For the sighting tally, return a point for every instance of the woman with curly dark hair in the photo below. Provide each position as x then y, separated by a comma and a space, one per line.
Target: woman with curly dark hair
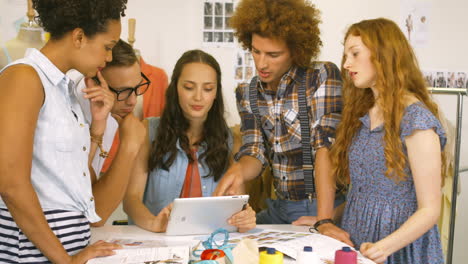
289, 114
47, 201
188, 149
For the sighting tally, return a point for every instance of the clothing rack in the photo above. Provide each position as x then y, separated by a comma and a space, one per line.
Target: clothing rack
459, 92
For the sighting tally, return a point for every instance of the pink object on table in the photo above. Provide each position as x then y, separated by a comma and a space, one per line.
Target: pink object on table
345, 256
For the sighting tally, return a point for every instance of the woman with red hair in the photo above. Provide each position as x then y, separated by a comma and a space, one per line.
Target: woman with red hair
389, 148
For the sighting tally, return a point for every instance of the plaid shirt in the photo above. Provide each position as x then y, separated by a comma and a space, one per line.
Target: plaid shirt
279, 113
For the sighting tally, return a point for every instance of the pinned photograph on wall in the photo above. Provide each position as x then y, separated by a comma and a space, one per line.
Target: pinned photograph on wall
240, 59
429, 77
248, 73
208, 36
229, 8
226, 22
415, 20
461, 80
441, 80
451, 80
208, 22
239, 76
218, 22
208, 9
228, 37
218, 9
249, 59
218, 37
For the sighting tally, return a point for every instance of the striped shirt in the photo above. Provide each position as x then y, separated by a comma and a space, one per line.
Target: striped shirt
71, 228
279, 111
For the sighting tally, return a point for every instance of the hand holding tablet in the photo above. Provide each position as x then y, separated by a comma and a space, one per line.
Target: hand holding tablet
196, 216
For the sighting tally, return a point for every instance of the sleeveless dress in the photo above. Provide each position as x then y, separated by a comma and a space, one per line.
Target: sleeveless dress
376, 205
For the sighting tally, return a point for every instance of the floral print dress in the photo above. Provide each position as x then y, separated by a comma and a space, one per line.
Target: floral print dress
376, 205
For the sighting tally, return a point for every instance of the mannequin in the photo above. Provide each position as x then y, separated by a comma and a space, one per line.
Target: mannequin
138, 110
29, 36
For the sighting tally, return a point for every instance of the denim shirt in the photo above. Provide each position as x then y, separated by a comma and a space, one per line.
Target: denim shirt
163, 186
59, 172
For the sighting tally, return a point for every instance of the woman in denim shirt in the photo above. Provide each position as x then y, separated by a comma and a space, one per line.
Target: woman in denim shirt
189, 147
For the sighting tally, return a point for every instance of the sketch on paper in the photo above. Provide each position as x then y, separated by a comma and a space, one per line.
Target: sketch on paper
415, 20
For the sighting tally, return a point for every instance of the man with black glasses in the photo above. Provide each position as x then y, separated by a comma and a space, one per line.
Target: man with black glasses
126, 81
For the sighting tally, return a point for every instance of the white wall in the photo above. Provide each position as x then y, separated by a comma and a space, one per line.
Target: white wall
165, 29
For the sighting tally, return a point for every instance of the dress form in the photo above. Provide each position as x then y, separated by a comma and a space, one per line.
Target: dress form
138, 110
29, 36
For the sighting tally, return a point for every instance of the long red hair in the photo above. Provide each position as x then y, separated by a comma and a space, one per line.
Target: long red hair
398, 75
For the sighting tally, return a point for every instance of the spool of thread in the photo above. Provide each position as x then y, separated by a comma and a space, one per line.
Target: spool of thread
271, 256
345, 256
214, 254
307, 256
46, 36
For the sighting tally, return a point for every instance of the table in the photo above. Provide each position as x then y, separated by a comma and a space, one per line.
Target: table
131, 231
108, 231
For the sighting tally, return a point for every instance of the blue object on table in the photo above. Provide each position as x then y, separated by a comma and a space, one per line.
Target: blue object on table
210, 243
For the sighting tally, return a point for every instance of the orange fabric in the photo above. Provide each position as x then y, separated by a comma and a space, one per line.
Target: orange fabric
153, 102
192, 182
154, 98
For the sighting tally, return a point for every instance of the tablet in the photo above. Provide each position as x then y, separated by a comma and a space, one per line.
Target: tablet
199, 216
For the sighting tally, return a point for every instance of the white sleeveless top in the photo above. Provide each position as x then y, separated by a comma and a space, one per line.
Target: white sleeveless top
59, 173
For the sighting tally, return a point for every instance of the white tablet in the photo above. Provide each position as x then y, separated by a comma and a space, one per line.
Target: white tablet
199, 216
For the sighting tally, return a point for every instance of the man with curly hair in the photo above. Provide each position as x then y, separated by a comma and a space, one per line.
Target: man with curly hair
289, 113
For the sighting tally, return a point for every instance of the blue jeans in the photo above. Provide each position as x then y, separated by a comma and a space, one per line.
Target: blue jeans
286, 211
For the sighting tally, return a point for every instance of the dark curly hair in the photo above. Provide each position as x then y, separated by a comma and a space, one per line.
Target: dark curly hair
61, 16
294, 21
173, 125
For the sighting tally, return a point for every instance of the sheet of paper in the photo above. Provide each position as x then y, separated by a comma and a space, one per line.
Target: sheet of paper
147, 252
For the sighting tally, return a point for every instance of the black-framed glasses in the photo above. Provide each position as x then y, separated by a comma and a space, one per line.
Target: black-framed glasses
140, 89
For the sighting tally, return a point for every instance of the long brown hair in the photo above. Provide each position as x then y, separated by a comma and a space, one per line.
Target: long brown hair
398, 75
173, 125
